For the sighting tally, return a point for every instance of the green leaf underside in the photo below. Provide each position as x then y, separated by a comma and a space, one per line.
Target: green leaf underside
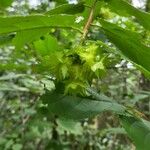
47, 46
23, 23
28, 36
67, 9
129, 44
125, 9
77, 108
138, 131
24, 37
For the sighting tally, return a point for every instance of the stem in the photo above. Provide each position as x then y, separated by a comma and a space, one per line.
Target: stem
89, 21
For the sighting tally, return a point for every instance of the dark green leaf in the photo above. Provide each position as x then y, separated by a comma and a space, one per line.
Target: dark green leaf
46, 46
21, 23
67, 9
138, 131
72, 107
129, 44
24, 37
123, 8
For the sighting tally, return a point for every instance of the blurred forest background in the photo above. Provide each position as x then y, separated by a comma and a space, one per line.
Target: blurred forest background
22, 126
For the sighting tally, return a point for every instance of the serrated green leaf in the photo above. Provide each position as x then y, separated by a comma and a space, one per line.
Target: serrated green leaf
25, 37
46, 46
67, 9
77, 108
138, 131
123, 8
24, 23
129, 44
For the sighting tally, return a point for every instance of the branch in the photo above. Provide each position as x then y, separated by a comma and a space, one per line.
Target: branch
89, 21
